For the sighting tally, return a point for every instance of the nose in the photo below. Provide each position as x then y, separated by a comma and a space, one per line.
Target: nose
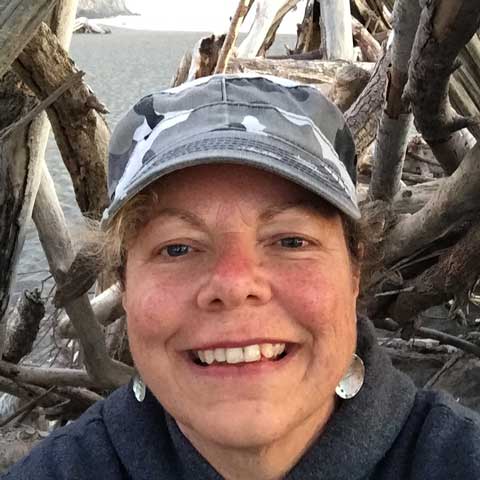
236, 278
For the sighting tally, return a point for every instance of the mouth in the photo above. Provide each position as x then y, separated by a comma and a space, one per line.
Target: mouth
238, 356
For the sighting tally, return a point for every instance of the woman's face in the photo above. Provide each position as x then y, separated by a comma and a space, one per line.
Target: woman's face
237, 260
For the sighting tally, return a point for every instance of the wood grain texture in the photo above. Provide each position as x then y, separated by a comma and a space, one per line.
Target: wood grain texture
19, 20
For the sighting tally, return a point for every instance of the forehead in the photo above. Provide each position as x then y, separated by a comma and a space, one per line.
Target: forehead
206, 185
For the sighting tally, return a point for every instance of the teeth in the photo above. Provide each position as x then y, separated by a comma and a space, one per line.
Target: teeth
220, 355
234, 355
267, 350
250, 353
209, 356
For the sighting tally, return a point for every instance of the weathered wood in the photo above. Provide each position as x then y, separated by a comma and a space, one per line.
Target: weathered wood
55, 239
22, 157
81, 132
46, 377
22, 326
369, 46
465, 83
312, 72
107, 307
308, 32
445, 27
336, 28
453, 276
84, 25
229, 43
205, 56
19, 19
349, 82
19, 179
363, 116
412, 199
396, 119
268, 14
458, 198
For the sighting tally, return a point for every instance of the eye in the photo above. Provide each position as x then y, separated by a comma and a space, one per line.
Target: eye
293, 242
175, 250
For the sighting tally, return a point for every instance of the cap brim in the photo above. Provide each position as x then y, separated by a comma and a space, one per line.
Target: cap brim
312, 172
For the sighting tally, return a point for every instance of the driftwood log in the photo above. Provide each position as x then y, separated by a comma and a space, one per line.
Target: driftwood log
445, 27
19, 19
80, 130
396, 121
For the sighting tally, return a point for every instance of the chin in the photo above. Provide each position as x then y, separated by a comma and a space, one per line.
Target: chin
252, 426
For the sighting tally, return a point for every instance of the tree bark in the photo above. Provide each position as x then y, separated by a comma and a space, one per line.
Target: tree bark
81, 132
453, 276
308, 32
231, 38
21, 157
445, 27
19, 19
19, 179
55, 240
396, 120
369, 46
268, 13
336, 28
458, 199
312, 72
363, 116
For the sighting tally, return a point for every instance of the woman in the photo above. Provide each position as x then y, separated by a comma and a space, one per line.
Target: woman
232, 226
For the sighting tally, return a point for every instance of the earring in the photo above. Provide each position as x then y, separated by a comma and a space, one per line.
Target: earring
352, 381
139, 389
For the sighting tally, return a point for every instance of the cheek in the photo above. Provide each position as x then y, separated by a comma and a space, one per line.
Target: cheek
152, 308
317, 296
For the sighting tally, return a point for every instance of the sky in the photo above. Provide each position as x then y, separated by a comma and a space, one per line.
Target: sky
200, 15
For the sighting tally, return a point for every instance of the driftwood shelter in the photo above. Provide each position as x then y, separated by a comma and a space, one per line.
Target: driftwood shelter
407, 76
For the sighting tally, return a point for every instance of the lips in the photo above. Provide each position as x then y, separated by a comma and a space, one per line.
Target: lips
235, 355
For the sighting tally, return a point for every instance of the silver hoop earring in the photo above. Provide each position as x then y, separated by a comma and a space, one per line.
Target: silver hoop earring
352, 381
139, 389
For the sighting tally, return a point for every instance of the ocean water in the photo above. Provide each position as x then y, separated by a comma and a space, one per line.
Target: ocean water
120, 68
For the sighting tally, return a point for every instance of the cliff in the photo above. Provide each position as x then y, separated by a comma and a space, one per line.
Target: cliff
102, 8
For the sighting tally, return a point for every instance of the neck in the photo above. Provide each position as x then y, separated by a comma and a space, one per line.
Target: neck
265, 462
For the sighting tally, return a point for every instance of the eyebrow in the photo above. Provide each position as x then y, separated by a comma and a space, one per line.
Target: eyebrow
267, 215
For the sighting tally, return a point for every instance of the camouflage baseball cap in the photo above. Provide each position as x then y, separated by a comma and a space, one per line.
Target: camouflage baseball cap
267, 122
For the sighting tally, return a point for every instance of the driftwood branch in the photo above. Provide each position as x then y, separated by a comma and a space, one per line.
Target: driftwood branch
21, 155
81, 132
19, 178
204, 57
396, 120
56, 242
43, 105
445, 27
26, 408
336, 28
267, 14
312, 72
443, 338
229, 43
107, 307
19, 19
453, 276
458, 198
46, 377
363, 116
22, 326
369, 46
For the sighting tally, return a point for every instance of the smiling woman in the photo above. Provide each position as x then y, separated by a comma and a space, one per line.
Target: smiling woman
232, 227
